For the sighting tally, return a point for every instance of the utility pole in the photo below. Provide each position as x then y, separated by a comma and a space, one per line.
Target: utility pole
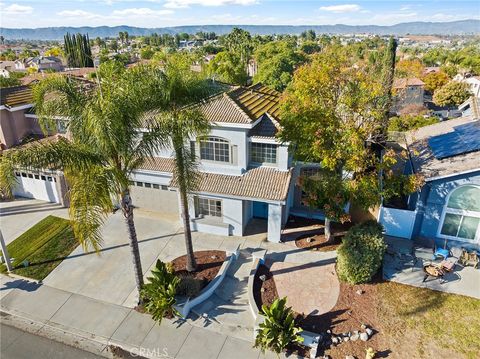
6, 257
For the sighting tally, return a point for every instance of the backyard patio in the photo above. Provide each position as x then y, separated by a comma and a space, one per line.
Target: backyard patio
404, 263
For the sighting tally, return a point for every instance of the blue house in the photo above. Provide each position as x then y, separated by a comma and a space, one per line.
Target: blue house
447, 208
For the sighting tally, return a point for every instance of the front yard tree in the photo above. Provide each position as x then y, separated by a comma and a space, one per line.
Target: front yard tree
334, 113
180, 122
453, 93
104, 149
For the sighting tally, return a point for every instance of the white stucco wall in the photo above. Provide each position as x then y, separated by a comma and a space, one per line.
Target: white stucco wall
274, 222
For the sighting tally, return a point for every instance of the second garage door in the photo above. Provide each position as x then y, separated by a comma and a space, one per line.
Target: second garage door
154, 197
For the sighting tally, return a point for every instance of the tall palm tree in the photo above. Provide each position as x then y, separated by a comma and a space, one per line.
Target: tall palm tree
104, 148
181, 121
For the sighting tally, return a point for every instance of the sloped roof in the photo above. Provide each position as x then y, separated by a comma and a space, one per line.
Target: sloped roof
160, 164
16, 96
256, 100
259, 183
402, 83
221, 108
423, 159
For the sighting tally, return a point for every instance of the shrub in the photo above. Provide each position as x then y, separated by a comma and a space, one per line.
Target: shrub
361, 252
159, 293
189, 286
278, 330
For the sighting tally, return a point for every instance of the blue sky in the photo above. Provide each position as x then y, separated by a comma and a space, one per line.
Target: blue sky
160, 13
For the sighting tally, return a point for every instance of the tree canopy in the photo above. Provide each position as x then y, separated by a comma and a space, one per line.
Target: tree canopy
453, 93
229, 67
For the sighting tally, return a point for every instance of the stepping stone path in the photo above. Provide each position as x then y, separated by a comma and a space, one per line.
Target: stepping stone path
309, 288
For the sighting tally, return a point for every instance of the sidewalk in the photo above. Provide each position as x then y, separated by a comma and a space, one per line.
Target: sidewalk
94, 325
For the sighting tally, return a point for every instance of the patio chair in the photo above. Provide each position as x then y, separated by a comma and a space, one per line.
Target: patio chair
441, 252
469, 258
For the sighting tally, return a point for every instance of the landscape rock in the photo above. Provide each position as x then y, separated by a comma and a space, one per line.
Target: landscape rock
360, 292
263, 277
363, 337
335, 340
354, 337
329, 331
363, 326
262, 290
309, 240
369, 332
346, 339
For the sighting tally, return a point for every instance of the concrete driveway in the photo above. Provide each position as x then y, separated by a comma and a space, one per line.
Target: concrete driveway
19, 215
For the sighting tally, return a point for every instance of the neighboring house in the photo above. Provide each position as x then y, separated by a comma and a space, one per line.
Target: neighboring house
470, 108
447, 208
40, 63
409, 92
6, 68
245, 172
15, 125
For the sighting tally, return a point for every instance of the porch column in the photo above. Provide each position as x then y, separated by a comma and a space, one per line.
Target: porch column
274, 222
62, 189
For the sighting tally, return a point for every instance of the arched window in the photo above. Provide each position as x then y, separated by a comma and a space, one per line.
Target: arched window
461, 215
215, 149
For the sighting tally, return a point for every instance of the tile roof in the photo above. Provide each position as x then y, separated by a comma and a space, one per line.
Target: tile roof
16, 96
257, 100
423, 159
402, 83
160, 164
221, 108
259, 183
242, 105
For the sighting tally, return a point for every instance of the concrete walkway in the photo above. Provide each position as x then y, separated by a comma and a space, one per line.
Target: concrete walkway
227, 310
93, 325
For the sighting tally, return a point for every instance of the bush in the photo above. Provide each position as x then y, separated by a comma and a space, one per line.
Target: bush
278, 330
159, 293
189, 286
361, 253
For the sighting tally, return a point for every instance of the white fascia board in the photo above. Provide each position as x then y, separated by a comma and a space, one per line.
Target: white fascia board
233, 125
272, 140
235, 197
18, 108
150, 172
451, 175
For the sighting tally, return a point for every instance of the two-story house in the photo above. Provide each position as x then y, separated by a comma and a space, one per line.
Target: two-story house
245, 171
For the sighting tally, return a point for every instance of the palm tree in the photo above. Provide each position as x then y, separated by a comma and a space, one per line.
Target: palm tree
104, 149
181, 121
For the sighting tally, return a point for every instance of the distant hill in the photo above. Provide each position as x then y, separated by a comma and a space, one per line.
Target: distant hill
463, 27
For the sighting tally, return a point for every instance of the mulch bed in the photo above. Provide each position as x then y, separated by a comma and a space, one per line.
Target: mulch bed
208, 265
317, 242
351, 311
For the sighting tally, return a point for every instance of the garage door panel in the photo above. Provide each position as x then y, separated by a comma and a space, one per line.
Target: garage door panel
42, 187
157, 200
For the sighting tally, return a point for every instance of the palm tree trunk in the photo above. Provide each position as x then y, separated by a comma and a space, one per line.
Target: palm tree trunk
191, 263
127, 208
328, 231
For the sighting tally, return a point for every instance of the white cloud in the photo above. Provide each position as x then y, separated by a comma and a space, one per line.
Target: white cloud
141, 11
405, 7
177, 4
78, 13
16, 9
341, 8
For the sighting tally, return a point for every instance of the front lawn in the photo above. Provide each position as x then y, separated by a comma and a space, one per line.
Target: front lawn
428, 323
43, 246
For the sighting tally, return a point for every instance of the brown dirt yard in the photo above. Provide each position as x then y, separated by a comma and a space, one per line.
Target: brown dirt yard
408, 322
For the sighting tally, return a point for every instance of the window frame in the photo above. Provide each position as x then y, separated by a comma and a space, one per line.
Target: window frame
215, 141
263, 146
462, 213
211, 203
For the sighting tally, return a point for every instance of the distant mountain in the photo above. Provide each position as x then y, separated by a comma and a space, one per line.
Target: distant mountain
462, 27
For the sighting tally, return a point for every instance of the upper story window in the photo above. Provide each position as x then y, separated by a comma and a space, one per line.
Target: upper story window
263, 152
215, 149
461, 218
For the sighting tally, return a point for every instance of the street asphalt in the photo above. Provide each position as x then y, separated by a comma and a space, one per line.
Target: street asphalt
17, 344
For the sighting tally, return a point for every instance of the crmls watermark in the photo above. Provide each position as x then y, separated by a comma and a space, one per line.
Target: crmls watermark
149, 352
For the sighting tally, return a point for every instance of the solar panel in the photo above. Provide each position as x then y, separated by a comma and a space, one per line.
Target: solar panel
464, 139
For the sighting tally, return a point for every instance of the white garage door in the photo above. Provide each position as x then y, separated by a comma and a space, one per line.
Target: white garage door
154, 197
38, 186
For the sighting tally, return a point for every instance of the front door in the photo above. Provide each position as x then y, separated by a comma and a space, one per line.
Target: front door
260, 210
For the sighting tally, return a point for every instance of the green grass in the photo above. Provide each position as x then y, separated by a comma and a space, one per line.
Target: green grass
44, 246
450, 321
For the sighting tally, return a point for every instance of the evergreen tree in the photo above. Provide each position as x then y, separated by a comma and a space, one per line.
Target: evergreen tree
78, 50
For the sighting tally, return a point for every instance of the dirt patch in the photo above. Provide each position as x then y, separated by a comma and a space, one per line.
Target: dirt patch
351, 311
208, 265
316, 241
